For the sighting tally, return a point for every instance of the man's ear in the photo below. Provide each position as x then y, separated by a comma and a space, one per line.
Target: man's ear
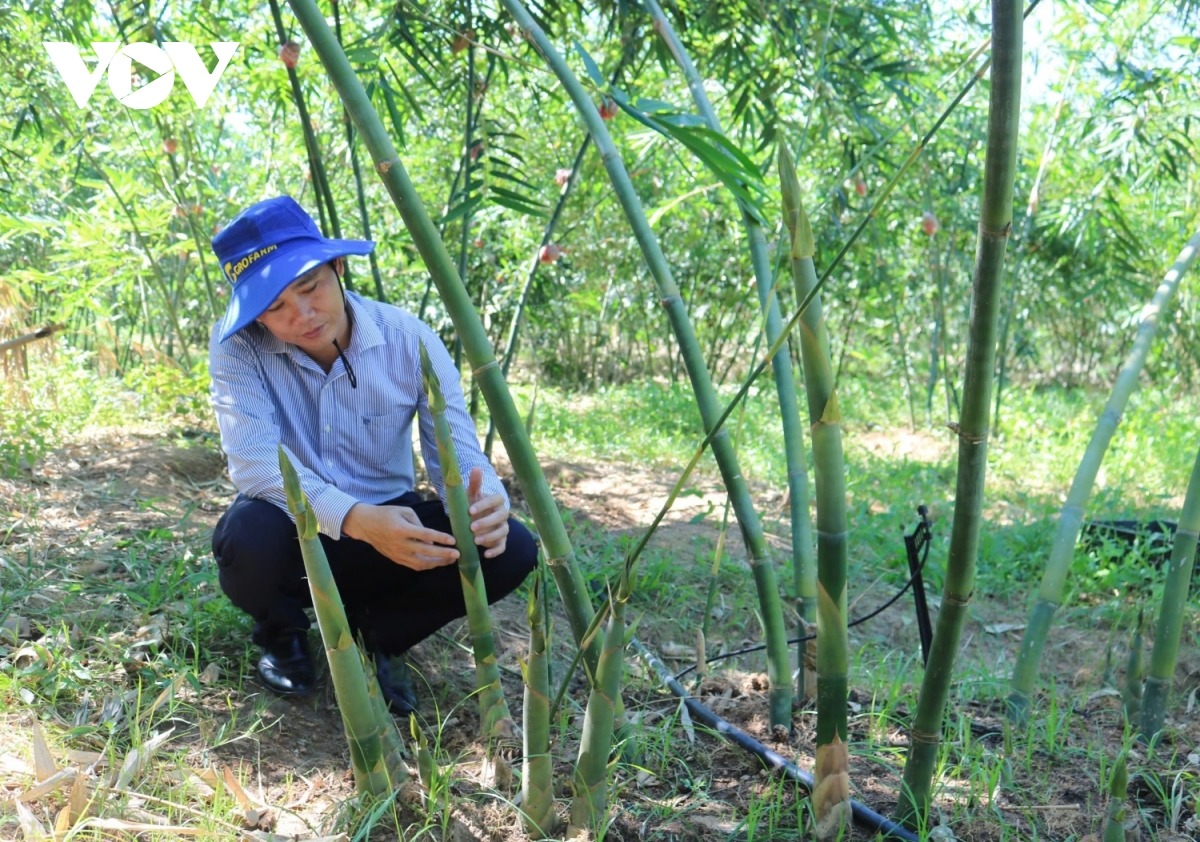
339, 266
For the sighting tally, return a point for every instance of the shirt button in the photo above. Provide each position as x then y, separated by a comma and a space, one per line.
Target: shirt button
328, 428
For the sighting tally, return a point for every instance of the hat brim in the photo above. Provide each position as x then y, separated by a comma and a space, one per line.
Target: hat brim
260, 285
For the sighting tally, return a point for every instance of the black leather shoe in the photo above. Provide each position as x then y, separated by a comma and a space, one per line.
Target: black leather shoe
286, 667
396, 684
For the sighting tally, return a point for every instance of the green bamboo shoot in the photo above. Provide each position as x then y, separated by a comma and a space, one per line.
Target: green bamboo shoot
1070, 519
831, 794
1169, 628
426, 764
1118, 789
995, 226
589, 805
376, 769
1131, 690
537, 773
495, 720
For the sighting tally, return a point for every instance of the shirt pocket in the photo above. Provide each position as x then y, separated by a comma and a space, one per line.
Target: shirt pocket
381, 439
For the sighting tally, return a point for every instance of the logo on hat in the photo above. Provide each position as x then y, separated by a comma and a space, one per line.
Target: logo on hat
232, 270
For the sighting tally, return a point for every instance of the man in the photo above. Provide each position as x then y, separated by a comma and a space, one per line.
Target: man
336, 379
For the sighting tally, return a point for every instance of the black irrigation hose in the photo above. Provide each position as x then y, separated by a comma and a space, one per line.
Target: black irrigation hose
863, 816
759, 647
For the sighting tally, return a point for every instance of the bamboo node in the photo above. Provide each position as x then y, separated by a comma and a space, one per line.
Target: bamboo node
492, 363
954, 427
668, 300
383, 166
925, 737
958, 601
996, 233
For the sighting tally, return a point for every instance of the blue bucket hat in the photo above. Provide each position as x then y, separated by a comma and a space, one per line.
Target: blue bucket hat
265, 248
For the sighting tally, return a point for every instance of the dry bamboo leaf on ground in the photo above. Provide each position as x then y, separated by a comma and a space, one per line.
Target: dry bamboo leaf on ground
86, 760
142, 827
44, 766
29, 655
136, 760
255, 814
54, 782
31, 828
80, 800
685, 722
13, 765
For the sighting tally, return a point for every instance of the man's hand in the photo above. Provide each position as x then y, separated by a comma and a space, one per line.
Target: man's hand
489, 516
398, 534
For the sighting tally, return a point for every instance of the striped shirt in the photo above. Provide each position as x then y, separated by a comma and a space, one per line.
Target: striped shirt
349, 445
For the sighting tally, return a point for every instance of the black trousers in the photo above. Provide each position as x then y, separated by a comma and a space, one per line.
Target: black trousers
393, 607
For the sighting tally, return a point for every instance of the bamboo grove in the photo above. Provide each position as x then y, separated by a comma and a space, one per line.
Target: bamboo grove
796, 262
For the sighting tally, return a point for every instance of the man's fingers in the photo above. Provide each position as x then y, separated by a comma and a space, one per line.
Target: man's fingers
488, 522
497, 549
474, 484
426, 535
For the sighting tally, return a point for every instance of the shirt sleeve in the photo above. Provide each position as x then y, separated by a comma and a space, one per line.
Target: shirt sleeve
250, 437
462, 426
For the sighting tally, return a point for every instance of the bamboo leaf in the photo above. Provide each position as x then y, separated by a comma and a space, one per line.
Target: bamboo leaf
43, 761
593, 69
515, 203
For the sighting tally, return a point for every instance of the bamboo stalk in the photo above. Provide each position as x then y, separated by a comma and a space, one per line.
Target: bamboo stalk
316, 164
995, 226
537, 773
831, 795
25, 339
371, 734
804, 568
1070, 519
544, 510
1031, 209
762, 565
495, 720
1169, 629
359, 190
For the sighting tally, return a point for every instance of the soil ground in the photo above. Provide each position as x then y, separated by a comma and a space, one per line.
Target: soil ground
86, 504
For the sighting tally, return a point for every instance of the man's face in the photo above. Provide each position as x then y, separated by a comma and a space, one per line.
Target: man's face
310, 313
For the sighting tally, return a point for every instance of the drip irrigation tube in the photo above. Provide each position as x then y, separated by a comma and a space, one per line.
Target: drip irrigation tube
864, 817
